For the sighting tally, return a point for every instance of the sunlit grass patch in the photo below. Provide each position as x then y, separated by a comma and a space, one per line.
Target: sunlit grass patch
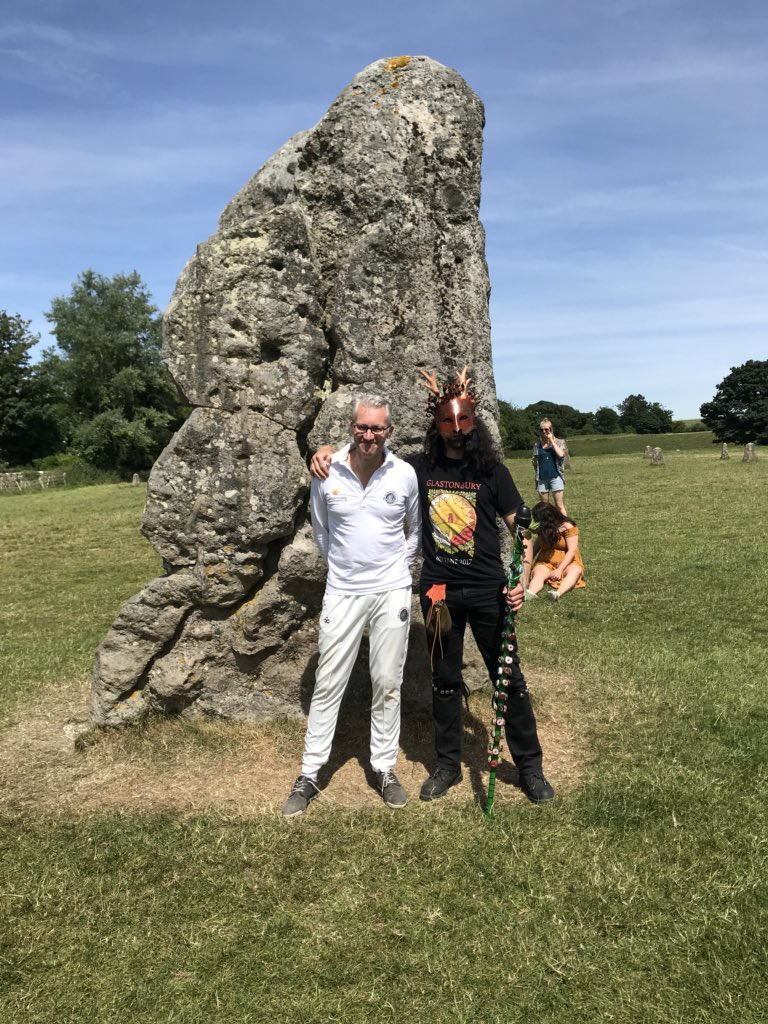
638, 896
68, 559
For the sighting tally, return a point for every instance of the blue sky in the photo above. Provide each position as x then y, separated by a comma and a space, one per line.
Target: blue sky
625, 173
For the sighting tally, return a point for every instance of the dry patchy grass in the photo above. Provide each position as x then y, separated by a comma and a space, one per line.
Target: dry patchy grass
49, 763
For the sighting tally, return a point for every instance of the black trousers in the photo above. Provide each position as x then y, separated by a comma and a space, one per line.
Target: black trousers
483, 609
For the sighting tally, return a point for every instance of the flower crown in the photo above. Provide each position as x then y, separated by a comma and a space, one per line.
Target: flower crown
462, 387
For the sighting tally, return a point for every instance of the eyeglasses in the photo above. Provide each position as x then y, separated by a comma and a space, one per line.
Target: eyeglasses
363, 428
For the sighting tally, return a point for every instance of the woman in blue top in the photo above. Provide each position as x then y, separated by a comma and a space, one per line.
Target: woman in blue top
548, 460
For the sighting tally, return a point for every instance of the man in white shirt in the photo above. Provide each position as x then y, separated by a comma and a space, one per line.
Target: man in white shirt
366, 522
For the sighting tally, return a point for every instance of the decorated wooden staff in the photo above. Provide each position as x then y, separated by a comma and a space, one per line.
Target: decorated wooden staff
523, 519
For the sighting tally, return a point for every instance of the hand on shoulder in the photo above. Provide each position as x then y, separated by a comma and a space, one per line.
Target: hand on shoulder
320, 465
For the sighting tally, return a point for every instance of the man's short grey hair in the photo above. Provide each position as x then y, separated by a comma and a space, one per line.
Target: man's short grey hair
372, 402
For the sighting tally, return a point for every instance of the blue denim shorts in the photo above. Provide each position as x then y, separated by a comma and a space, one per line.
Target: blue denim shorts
555, 484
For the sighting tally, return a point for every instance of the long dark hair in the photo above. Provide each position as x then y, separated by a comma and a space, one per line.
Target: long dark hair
550, 521
480, 452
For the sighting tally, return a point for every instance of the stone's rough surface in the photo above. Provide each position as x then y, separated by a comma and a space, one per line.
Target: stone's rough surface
226, 486
147, 623
243, 327
352, 258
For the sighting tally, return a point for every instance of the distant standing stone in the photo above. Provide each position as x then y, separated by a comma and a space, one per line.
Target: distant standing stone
750, 452
724, 451
647, 452
657, 457
135, 479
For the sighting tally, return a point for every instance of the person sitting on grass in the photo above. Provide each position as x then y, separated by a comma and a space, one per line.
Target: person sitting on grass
556, 558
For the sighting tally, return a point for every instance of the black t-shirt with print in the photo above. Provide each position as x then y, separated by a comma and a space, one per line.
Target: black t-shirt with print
460, 537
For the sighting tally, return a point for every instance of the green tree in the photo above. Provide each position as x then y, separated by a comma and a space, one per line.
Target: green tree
638, 415
607, 420
739, 411
565, 419
27, 428
120, 405
516, 427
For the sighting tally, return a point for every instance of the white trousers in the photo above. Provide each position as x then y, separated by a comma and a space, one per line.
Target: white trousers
343, 619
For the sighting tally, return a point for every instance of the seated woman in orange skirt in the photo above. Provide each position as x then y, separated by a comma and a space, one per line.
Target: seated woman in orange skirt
556, 557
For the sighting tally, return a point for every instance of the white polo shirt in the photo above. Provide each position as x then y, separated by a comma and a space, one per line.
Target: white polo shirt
369, 536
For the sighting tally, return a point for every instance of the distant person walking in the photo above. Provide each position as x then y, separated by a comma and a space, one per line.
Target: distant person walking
549, 463
556, 556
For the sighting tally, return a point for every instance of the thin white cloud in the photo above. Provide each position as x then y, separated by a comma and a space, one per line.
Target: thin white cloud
175, 146
564, 209
55, 36
669, 68
175, 45
660, 320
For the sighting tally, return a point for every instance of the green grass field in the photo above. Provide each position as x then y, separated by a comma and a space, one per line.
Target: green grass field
638, 897
580, 445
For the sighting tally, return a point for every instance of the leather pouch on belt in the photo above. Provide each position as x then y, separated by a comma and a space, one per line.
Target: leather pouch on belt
438, 619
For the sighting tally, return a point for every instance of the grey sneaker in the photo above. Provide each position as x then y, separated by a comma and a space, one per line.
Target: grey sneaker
553, 595
303, 791
391, 791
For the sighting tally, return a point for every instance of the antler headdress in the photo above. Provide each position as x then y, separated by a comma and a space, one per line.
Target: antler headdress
462, 387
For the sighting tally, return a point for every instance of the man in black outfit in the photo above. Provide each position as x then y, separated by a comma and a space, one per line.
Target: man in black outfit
463, 486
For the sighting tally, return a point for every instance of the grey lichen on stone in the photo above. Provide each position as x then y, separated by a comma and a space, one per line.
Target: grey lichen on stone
352, 258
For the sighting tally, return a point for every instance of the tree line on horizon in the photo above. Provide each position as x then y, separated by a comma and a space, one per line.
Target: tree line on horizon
519, 427
102, 397
738, 413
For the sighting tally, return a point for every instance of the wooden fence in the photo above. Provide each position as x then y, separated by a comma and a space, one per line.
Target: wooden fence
32, 480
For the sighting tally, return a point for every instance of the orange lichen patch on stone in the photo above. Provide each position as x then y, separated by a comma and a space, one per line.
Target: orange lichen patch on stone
395, 84
356, 92
217, 569
397, 62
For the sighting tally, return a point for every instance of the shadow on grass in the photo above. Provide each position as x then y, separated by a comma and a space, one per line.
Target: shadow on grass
351, 743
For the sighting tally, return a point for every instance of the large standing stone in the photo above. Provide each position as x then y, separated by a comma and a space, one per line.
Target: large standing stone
750, 452
352, 258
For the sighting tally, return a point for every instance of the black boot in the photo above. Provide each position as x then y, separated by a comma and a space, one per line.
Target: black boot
524, 747
447, 718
